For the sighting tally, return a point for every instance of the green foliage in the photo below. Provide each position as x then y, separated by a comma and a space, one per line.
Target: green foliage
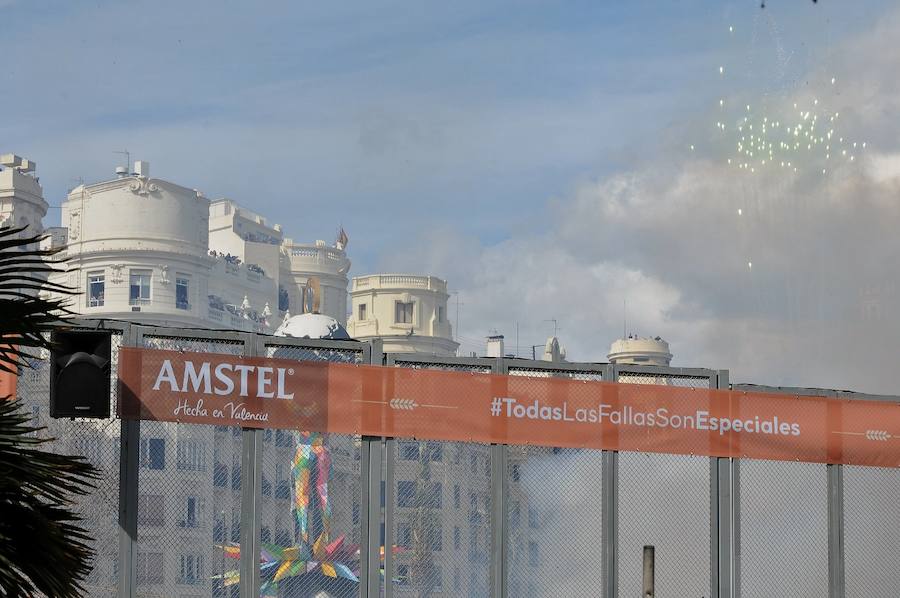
42, 548
24, 314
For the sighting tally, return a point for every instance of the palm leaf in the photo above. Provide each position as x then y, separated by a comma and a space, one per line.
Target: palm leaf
25, 313
43, 550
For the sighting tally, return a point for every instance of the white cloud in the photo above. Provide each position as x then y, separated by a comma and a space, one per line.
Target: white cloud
817, 307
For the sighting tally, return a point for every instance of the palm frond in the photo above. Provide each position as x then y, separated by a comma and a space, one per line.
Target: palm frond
26, 312
43, 550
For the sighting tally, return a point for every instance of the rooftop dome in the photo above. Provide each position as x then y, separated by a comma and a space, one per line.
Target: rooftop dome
313, 326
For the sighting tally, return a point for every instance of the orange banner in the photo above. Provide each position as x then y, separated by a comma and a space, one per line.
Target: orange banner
458, 406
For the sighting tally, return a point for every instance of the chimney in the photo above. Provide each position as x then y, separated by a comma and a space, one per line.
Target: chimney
495, 345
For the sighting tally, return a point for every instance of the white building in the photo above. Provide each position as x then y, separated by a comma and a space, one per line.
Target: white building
21, 197
145, 249
148, 250
408, 312
640, 351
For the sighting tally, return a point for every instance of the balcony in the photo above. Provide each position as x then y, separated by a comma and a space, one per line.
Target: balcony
399, 281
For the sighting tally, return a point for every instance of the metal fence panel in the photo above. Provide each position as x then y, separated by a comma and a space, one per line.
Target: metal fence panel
98, 441
664, 502
311, 497
784, 529
189, 495
553, 516
871, 531
553, 512
442, 505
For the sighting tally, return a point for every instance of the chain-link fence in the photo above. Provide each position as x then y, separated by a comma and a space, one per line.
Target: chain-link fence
664, 501
796, 529
310, 509
784, 529
442, 510
189, 500
97, 440
871, 531
553, 511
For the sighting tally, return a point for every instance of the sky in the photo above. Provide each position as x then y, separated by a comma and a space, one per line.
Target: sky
552, 161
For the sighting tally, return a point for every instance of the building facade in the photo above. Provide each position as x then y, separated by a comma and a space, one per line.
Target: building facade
407, 312
148, 250
634, 350
21, 197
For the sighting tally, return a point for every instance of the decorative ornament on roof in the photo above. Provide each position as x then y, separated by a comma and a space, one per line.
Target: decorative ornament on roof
142, 186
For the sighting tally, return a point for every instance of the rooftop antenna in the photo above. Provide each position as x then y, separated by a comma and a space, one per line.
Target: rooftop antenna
624, 318
127, 158
555, 325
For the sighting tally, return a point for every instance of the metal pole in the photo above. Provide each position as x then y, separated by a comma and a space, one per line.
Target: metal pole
499, 533
390, 452
609, 513
251, 498
836, 583
370, 517
722, 515
648, 585
129, 443
128, 505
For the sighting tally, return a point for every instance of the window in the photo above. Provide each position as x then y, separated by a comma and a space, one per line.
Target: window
149, 568
403, 575
515, 472
96, 289
440, 313
473, 501
406, 493
362, 312
435, 537
456, 496
153, 453
219, 530
139, 287
532, 518
265, 534
409, 450
151, 510
404, 535
437, 577
191, 455
435, 451
220, 475
191, 515
182, 289
533, 556
456, 538
191, 569
403, 312
434, 497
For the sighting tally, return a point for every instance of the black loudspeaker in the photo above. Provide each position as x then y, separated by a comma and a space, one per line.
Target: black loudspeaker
80, 373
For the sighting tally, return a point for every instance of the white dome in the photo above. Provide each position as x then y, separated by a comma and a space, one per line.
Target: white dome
313, 326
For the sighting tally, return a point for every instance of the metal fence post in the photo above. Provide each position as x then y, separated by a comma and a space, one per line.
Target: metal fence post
370, 519
251, 498
390, 486
499, 531
129, 443
836, 587
722, 515
609, 513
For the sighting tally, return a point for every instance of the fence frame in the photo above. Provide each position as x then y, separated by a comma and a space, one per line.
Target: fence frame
377, 466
